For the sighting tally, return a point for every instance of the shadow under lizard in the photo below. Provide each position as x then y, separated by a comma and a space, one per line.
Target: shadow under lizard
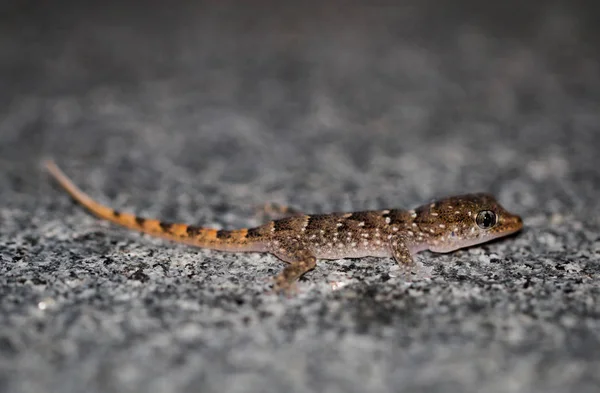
441, 226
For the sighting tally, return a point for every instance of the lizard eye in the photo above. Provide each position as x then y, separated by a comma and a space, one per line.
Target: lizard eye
486, 219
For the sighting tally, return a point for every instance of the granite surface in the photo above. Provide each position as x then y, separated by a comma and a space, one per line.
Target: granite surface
200, 113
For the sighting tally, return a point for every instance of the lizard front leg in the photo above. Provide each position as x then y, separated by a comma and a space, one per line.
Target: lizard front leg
402, 255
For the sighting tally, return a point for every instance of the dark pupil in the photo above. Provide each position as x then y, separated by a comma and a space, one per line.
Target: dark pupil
486, 219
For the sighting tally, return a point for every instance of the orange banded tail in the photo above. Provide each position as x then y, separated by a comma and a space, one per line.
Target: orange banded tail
225, 240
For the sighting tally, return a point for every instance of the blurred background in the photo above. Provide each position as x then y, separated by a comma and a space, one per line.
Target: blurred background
437, 98
200, 111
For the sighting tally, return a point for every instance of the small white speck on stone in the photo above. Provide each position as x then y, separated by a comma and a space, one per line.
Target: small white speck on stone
378, 242
46, 303
322, 231
340, 245
411, 233
365, 235
339, 224
431, 206
395, 229
389, 236
469, 213
457, 212
414, 225
353, 244
361, 224
431, 230
434, 214
473, 230
385, 212
388, 220
442, 226
330, 244
313, 236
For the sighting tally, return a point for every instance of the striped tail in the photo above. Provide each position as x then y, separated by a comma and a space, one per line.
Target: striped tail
224, 240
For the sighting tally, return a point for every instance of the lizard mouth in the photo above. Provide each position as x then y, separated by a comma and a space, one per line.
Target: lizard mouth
512, 224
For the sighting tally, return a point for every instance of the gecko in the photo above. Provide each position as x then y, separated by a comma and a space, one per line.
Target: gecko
441, 226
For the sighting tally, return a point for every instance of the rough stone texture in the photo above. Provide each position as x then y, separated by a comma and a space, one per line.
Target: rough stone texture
200, 113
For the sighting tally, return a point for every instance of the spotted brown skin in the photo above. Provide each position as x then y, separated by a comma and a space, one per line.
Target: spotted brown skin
442, 226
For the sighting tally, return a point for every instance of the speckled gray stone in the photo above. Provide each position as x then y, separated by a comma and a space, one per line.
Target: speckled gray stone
202, 113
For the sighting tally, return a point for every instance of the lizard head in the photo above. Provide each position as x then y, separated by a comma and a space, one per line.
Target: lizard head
465, 220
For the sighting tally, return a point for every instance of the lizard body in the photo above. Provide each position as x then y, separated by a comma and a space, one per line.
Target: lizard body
442, 226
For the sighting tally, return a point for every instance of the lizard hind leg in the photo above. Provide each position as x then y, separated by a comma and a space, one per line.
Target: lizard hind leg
274, 211
301, 260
